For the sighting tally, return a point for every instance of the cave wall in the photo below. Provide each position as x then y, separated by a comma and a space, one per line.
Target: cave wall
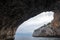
15, 12
56, 21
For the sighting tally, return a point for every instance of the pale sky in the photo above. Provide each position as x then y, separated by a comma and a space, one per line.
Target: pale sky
35, 22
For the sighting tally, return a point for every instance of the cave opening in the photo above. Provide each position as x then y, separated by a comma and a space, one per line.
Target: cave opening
28, 26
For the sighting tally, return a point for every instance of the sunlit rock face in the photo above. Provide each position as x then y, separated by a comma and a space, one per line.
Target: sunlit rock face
15, 12
44, 31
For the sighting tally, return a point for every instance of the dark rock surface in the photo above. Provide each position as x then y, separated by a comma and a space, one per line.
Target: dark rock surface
15, 12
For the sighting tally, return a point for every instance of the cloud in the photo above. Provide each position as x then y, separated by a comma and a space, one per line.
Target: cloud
35, 22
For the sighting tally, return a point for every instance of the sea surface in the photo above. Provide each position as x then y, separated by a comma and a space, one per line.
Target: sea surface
34, 38
29, 37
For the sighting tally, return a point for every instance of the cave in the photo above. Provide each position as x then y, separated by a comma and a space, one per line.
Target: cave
15, 12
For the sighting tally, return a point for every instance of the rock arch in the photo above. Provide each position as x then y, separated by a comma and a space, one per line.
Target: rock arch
15, 12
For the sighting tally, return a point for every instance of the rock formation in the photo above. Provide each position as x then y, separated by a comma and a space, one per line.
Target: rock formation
46, 31
15, 12
51, 30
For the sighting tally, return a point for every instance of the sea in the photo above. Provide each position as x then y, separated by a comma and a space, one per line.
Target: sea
35, 38
29, 37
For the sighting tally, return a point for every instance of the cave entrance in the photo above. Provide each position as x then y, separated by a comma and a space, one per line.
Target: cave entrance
27, 27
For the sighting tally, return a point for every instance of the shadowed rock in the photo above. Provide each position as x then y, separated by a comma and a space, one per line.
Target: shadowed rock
15, 12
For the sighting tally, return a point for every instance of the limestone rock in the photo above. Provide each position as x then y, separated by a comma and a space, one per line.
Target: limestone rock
46, 31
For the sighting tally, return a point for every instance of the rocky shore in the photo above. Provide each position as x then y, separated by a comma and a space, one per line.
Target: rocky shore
46, 31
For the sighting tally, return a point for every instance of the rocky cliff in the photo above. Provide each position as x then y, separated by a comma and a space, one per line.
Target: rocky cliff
15, 12
46, 31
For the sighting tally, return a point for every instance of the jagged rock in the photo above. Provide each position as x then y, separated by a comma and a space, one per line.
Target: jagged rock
46, 31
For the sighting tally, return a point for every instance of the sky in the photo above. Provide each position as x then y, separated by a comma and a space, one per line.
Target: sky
35, 22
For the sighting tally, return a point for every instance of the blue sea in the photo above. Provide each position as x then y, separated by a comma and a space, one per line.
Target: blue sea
29, 37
